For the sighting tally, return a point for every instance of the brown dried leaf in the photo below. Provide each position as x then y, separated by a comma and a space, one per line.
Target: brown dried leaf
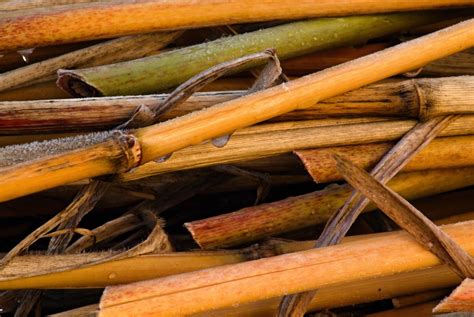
409, 218
147, 115
84, 201
81, 231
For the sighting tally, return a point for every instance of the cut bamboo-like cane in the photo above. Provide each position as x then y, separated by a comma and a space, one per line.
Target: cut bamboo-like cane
329, 297
274, 139
345, 294
152, 74
441, 151
102, 20
440, 96
165, 138
253, 223
73, 271
280, 275
118, 50
93, 113
461, 299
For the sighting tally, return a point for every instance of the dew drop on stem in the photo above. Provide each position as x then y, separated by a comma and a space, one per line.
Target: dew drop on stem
25, 54
163, 158
221, 141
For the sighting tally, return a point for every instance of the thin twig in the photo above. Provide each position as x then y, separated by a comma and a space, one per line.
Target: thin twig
84, 201
409, 218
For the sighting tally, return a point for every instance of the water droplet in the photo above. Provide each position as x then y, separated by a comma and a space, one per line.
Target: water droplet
25, 54
112, 275
221, 141
164, 158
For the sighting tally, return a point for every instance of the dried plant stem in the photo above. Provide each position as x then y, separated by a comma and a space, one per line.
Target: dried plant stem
152, 74
131, 220
63, 271
274, 139
27, 302
440, 153
102, 20
346, 294
254, 223
424, 98
289, 273
162, 139
362, 291
410, 219
341, 221
93, 113
113, 51
84, 201
76, 270
115, 227
461, 300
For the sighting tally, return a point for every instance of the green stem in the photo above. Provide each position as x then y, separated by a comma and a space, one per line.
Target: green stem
158, 73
